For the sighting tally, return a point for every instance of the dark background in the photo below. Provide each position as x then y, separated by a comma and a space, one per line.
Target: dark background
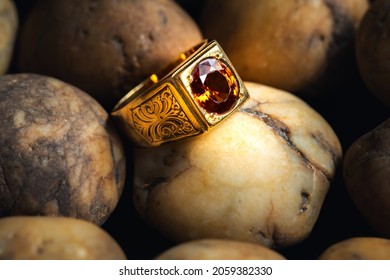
349, 108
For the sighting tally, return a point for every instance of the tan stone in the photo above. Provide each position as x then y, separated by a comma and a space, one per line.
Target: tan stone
55, 238
291, 45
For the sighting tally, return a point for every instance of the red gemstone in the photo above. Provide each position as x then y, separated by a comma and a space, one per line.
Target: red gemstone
214, 86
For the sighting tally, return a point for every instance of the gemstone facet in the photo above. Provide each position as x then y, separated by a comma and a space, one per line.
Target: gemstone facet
214, 86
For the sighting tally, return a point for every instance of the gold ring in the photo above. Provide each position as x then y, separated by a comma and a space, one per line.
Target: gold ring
188, 98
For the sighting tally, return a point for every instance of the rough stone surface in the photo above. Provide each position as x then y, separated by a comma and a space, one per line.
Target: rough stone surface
59, 153
259, 176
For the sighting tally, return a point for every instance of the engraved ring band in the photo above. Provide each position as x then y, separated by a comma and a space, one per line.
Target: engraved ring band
189, 97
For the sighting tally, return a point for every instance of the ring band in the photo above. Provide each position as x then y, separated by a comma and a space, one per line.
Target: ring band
188, 98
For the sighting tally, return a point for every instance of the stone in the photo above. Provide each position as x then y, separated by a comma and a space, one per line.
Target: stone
60, 155
9, 26
214, 86
260, 176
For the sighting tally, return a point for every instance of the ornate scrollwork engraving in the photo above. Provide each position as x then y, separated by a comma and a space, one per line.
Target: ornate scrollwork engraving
161, 118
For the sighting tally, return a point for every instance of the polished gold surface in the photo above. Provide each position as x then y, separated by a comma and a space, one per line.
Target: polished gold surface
162, 109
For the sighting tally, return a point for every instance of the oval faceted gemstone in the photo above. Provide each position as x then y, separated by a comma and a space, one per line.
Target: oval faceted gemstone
214, 86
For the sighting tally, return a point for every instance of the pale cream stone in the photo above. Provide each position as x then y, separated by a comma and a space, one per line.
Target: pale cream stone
8, 30
260, 176
55, 238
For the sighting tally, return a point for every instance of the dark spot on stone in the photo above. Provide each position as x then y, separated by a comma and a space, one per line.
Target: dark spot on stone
305, 202
151, 36
353, 256
343, 30
171, 158
93, 4
262, 234
82, 33
40, 249
163, 17
315, 39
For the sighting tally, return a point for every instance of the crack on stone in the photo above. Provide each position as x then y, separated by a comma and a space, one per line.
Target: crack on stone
324, 145
279, 127
155, 183
283, 131
270, 226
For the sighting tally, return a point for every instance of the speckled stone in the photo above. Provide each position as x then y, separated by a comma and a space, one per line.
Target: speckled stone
260, 176
8, 26
59, 153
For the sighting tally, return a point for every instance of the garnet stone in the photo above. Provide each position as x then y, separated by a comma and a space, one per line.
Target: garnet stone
214, 86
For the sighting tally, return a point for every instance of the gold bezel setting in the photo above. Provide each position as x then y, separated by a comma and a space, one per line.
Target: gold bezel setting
163, 109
